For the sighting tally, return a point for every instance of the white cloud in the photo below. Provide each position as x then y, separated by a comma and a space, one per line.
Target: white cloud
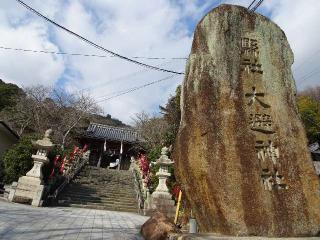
17, 31
146, 30
132, 28
28, 69
300, 21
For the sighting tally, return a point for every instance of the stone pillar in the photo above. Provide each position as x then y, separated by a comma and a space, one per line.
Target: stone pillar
161, 199
29, 188
120, 156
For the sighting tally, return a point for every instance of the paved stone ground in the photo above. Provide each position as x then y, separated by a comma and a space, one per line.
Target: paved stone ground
25, 222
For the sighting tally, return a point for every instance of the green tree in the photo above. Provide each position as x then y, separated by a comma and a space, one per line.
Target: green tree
172, 114
309, 109
17, 160
8, 94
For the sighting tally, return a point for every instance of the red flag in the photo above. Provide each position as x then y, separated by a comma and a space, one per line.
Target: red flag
75, 150
52, 174
62, 165
55, 160
85, 148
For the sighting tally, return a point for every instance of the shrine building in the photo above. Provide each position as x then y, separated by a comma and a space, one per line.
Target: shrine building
111, 146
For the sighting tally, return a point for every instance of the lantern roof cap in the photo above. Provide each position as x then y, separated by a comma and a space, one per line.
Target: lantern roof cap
164, 159
45, 142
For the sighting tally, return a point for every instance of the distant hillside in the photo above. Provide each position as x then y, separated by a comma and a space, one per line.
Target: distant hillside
8, 94
108, 120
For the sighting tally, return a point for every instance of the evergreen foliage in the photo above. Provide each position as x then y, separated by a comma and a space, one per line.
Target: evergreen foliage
17, 161
172, 114
8, 94
309, 109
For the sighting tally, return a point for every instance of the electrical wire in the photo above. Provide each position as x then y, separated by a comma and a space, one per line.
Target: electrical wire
124, 77
254, 8
308, 60
251, 4
86, 55
308, 76
126, 91
94, 44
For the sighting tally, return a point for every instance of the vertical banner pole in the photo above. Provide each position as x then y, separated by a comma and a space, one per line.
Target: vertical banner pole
178, 207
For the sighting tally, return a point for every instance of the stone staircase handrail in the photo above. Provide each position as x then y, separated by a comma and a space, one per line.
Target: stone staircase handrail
72, 171
138, 186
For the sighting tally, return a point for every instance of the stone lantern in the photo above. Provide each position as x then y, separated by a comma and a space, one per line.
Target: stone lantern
161, 197
164, 162
40, 158
30, 187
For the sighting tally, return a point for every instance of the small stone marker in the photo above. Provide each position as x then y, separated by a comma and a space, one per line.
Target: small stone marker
241, 153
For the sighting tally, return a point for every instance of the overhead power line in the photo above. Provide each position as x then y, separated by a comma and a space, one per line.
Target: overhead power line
309, 59
308, 76
253, 7
121, 78
86, 55
252, 4
94, 44
129, 90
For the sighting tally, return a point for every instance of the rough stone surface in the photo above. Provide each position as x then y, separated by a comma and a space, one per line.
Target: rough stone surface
244, 173
217, 237
158, 227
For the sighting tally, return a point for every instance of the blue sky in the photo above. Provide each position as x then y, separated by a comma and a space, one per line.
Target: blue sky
162, 28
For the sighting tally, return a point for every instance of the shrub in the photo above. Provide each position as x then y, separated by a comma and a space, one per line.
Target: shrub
1, 170
17, 160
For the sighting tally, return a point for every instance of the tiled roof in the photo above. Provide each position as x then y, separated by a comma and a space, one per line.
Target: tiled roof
101, 131
9, 129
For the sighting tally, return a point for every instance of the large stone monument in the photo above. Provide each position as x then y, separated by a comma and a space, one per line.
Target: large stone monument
241, 153
30, 187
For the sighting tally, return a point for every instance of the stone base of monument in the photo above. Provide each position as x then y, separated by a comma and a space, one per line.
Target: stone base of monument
163, 205
158, 227
28, 190
211, 236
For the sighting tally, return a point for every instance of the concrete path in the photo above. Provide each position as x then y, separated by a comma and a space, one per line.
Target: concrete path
25, 222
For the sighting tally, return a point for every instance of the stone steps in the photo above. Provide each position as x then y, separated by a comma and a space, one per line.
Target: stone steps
92, 189
99, 194
98, 198
100, 188
103, 207
104, 202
